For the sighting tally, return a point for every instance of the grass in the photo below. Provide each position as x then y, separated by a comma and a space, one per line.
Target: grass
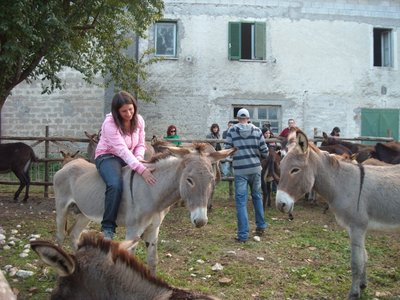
307, 258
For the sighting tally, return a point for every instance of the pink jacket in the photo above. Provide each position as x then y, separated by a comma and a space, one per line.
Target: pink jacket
128, 147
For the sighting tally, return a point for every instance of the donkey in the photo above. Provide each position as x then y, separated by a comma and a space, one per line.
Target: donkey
361, 197
67, 157
102, 269
269, 175
93, 141
187, 175
360, 151
17, 158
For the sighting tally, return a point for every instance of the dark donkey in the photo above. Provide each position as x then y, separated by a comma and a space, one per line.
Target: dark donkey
103, 269
270, 174
17, 158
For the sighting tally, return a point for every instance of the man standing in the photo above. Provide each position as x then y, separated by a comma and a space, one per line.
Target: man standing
247, 172
285, 132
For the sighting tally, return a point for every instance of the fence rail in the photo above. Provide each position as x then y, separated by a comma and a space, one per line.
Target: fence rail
57, 141
46, 160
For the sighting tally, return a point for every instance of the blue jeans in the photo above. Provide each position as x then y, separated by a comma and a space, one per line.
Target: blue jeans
110, 169
226, 168
241, 182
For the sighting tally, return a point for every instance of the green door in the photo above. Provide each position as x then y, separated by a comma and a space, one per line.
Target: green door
380, 122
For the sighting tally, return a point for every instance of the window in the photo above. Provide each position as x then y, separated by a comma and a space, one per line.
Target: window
383, 52
260, 115
246, 41
165, 39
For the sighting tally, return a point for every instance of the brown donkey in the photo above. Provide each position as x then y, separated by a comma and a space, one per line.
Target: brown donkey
103, 269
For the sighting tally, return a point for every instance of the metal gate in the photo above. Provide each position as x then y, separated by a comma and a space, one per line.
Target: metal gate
380, 122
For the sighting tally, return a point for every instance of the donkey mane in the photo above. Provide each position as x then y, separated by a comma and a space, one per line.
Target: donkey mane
333, 160
94, 240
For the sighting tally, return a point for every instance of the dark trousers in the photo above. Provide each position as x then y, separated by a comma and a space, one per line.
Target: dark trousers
110, 169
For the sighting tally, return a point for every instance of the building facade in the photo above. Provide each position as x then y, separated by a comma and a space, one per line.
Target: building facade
323, 63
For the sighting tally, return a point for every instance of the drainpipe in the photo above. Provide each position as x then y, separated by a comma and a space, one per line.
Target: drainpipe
137, 58
305, 98
1, 133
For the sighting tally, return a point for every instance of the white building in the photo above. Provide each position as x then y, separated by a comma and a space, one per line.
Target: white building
323, 63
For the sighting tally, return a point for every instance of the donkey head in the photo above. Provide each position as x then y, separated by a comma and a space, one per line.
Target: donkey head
197, 179
297, 174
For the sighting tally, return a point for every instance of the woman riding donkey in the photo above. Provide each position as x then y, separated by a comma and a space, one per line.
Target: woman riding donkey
122, 143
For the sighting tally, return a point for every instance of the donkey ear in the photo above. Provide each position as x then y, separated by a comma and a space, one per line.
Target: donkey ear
130, 244
176, 150
218, 155
55, 257
302, 141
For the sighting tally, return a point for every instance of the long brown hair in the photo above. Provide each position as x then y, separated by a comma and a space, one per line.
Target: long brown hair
170, 128
119, 100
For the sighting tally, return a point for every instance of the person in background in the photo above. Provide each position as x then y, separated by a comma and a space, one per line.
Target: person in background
267, 133
285, 132
214, 134
225, 132
335, 131
226, 164
122, 142
173, 134
247, 172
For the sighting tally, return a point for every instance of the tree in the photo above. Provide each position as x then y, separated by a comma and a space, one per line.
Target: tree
40, 37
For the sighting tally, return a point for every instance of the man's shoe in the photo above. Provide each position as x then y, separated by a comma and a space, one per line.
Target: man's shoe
240, 241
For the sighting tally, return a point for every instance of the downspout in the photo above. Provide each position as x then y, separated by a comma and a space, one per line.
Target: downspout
1, 133
305, 98
137, 59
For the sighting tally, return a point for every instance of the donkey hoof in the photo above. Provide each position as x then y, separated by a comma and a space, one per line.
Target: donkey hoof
353, 296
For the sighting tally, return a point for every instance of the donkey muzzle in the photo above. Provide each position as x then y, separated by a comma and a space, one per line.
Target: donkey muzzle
199, 217
284, 202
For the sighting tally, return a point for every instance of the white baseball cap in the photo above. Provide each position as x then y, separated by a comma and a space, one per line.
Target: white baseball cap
243, 114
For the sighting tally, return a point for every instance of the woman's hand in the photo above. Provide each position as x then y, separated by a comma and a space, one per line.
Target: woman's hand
148, 176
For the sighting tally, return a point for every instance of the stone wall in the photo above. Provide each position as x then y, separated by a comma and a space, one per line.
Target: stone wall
68, 113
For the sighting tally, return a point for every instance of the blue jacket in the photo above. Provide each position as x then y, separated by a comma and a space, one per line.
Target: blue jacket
251, 144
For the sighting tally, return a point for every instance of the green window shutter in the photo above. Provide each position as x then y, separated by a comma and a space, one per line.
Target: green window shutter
234, 41
260, 43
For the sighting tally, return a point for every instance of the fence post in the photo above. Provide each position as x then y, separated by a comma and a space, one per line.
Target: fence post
46, 164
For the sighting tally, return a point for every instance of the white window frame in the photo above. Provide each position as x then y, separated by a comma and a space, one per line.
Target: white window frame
161, 30
273, 115
383, 47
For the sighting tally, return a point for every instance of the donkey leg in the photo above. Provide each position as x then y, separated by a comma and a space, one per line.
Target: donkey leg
61, 221
150, 237
264, 190
269, 193
22, 184
81, 221
27, 183
358, 261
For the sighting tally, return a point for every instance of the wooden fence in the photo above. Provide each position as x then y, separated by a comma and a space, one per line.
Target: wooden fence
57, 141
46, 160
